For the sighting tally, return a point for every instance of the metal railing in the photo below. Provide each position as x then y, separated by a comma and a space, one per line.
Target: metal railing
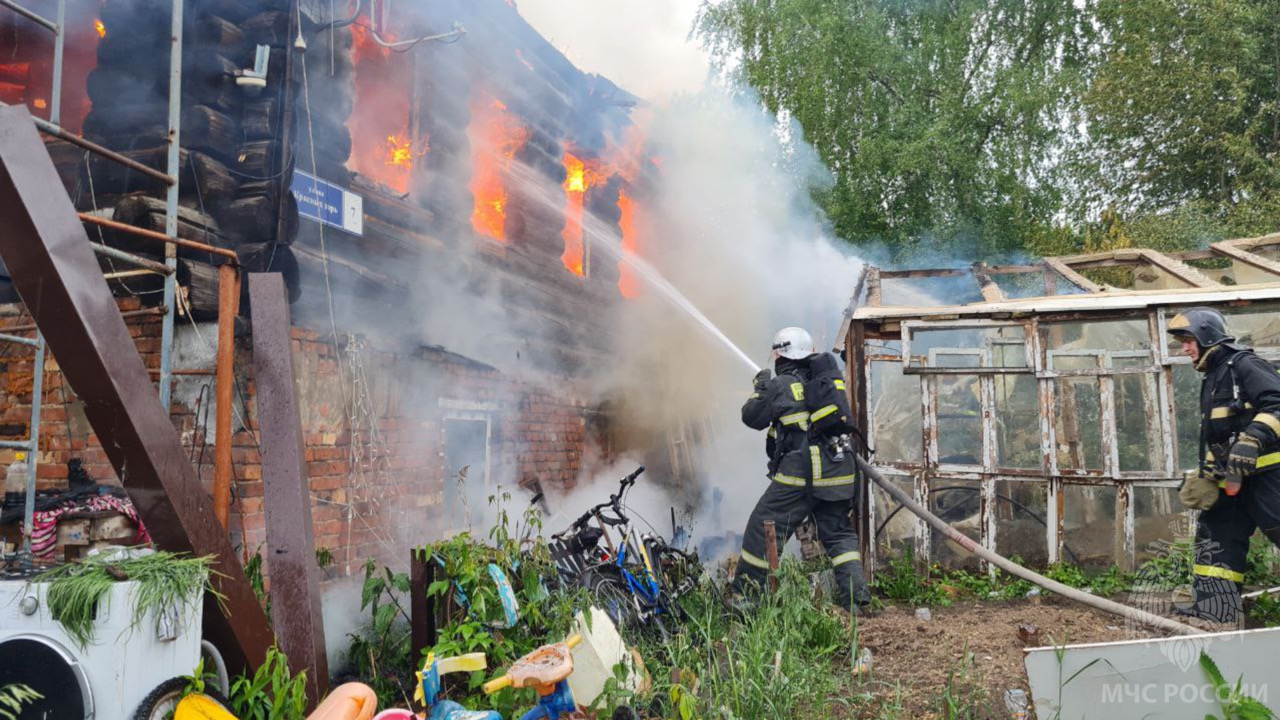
168, 268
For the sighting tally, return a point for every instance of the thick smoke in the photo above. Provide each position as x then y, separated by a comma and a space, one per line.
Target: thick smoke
730, 223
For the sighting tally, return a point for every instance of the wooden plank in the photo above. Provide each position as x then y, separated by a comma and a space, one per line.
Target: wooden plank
1234, 249
873, 286
1072, 276
1181, 271
991, 292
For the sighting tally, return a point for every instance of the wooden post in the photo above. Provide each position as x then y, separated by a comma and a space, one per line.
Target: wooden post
771, 552
228, 308
422, 607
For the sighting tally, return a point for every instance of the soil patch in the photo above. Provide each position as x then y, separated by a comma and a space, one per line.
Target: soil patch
912, 659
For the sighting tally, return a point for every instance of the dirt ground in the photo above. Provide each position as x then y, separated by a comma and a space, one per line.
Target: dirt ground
911, 658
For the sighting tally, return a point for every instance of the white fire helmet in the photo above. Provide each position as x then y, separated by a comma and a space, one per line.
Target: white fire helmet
793, 343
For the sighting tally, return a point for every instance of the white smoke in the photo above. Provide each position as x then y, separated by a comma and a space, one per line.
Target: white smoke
642, 46
730, 224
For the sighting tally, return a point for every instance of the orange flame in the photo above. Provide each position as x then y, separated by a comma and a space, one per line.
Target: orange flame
102, 29
399, 152
496, 135
40, 103
575, 189
628, 283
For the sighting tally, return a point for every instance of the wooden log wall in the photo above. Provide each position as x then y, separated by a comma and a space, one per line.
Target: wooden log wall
235, 171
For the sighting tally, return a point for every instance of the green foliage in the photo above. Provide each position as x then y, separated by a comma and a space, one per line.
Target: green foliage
963, 696
780, 660
988, 128
13, 697
253, 572
900, 582
164, 581
381, 650
939, 120
1262, 567
1108, 582
1266, 610
273, 693
1235, 704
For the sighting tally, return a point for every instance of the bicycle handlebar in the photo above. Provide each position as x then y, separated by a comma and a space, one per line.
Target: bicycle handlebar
612, 503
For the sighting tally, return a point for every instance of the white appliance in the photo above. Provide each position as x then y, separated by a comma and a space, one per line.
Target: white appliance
115, 673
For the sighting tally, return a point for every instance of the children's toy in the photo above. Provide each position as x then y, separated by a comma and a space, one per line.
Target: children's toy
546, 670
428, 692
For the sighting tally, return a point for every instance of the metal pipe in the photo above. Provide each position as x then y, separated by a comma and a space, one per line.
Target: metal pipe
228, 307
49, 128
33, 342
1016, 570
188, 371
171, 204
131, 258
152, 234
51, 25
59, 51
15, 444
126, 274
33, 458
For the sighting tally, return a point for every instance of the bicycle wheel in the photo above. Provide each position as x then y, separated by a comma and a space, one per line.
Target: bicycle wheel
614, 597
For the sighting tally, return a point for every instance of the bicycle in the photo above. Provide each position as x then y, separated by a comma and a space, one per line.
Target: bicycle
638, 582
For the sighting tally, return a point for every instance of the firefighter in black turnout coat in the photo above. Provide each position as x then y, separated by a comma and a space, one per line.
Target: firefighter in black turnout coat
1237, 486
805, 410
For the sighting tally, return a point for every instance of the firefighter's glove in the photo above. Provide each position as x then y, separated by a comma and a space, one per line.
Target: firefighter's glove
762, 377
1199, 490
1244, 456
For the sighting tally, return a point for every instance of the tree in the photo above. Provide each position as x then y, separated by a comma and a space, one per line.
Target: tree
1182, 109
939, 119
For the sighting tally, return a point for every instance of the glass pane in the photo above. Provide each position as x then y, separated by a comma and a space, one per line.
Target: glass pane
1257, 325
1138, 423
1021, 510
1073, 362
1186, 414
959, 420
894, 534
1078, 424
1002, 346
1017, 421
959, 503
896, 414
1097, 336
1089, 524
952, 359
929, 292
1159, 520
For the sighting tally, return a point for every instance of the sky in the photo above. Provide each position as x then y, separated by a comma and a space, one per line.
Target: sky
642, 45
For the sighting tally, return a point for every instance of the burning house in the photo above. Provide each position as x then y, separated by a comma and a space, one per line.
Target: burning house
1041, 409
445, 195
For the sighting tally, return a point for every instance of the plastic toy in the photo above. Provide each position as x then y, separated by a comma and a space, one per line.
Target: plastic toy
546, 670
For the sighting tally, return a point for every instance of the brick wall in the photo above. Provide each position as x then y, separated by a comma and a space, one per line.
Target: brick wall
375, 425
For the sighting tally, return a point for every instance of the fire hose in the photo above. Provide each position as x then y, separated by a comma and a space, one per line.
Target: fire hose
1103, 604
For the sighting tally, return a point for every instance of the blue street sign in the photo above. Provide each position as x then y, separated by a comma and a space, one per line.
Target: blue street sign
327, 203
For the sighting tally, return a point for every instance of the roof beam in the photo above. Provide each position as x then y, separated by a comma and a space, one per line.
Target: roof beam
1179, 270
1072, 276
873, 286
991, 292
1233, 250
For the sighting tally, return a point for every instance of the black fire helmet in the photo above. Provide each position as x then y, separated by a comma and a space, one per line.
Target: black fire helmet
1206, 325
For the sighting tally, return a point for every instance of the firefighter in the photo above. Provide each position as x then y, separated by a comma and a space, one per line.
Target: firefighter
810, 474
1237, 486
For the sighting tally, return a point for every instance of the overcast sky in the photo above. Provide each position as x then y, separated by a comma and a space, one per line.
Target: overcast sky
642, 45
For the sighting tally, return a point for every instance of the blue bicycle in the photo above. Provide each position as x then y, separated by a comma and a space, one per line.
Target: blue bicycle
638, 581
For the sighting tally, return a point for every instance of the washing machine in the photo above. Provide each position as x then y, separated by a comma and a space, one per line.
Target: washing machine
111, 677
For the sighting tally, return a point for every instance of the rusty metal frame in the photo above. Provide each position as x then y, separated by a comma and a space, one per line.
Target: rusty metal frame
286, 491
54, 270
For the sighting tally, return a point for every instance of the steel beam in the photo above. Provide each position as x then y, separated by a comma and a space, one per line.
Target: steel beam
295, 585
47, 252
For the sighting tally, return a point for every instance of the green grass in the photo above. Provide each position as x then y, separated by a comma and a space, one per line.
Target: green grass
164, 580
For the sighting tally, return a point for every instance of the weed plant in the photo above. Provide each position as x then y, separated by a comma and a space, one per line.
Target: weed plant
164, 581
271, 693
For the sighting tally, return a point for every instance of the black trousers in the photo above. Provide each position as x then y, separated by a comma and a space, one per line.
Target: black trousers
787, 507
1222, 544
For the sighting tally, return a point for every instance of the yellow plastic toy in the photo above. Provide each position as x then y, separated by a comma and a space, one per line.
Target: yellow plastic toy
352, 701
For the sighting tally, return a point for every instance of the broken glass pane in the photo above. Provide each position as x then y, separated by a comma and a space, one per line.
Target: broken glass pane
1097, 336
1020, 520
959, 504
1089, 524
1186, 415
1078, 424
1138, 423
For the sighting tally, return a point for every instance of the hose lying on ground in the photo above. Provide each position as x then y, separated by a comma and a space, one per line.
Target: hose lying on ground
1016, 570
